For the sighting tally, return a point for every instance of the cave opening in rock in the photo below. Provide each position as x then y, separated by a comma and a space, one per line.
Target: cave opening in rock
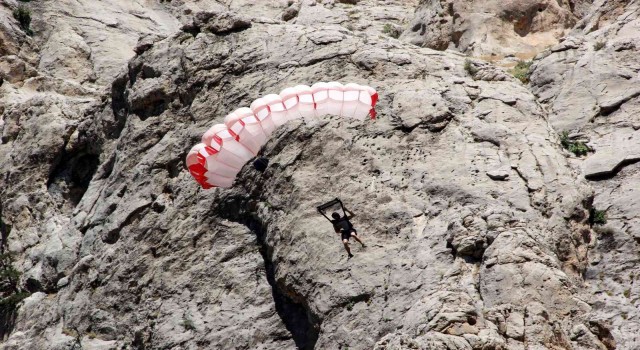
71, 177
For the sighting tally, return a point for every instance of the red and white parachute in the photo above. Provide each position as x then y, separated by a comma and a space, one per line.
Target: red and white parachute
225, 148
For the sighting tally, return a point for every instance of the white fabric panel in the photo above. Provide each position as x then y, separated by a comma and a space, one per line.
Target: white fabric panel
232, 121
364, 104
229, 158
207, 137
276, 109
336, 96
350, 102
237, 149
365, 98
242, 118
251, 122
361, 111
192, 156
349, 109
251, 141
228, 142
267, 124
215, 166
220, 181
290, 101
320, 97
320, 92
261, 111
305, 102
247, 126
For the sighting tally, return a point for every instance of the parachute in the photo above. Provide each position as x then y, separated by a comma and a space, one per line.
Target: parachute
225, 148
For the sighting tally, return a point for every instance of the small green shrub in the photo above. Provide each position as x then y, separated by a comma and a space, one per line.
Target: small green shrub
579, 149
12, 301
188, 324
597, 217
391, 30
11, 294
564, 140
23, 15
599, 45
522, 71
70, 332
576, 147
8, 274
350, 305
469, 67
92, 335
627, 293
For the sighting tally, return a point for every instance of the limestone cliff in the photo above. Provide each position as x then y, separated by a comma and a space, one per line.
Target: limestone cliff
484, 231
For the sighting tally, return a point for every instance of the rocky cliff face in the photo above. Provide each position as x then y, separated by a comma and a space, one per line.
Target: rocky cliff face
480, 227
493, 29
590, 84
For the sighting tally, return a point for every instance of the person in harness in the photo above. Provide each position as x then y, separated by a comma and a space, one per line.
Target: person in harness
343, 226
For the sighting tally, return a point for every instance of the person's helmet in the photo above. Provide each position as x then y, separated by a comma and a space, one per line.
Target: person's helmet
335, 216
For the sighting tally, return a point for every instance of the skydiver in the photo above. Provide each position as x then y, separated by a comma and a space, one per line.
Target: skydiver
343, 226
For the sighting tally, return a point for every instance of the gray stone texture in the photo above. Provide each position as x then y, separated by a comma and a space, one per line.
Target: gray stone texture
476, 220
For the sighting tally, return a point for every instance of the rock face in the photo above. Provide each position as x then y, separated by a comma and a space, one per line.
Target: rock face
493, 28
590, 84
477, 224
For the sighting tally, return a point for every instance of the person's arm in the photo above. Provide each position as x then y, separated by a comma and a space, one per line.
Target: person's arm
350, 213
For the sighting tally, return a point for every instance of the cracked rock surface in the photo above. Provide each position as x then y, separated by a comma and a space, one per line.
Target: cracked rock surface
493, 28
478, 224
589, 83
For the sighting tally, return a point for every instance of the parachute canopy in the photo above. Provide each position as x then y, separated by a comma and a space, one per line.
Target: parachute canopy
225, 148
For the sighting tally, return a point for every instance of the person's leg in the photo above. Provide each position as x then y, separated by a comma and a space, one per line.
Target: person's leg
355, 236
346, 247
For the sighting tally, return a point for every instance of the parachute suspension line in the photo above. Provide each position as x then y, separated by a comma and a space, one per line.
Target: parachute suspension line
225, 148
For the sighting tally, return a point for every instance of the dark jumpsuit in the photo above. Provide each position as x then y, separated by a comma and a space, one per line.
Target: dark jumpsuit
344, 226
